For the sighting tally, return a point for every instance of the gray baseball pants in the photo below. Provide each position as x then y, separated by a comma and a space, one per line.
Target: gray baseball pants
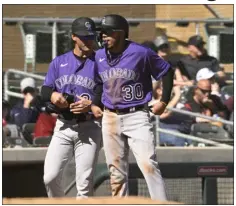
135, 131
70, 139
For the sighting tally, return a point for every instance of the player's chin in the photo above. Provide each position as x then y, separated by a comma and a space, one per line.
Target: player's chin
110, 46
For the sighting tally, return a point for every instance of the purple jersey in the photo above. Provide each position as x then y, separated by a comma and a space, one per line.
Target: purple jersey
129, 82
67, 74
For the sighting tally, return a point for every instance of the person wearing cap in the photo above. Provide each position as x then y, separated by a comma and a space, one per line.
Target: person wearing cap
197, 59
163, 50
163, 47
69, 86
22, 112
206, 73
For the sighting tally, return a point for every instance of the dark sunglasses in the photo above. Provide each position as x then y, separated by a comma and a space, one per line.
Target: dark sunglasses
107, 32
204, 91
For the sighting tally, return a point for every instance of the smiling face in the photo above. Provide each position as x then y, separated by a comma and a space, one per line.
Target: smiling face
112, 38
84, 43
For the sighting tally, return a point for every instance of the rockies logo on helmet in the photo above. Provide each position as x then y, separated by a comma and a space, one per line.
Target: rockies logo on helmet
88, 25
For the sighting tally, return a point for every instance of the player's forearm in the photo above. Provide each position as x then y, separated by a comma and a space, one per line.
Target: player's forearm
172, 103
46, 93
183, 83
167, 82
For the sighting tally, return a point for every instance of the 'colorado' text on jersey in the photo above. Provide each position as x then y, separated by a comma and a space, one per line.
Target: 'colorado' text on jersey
66, 76
129, 83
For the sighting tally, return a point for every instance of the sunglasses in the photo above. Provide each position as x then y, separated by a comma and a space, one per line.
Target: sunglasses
204, 91
109, 32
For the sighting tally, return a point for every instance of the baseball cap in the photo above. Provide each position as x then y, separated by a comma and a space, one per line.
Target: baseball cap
204, 73
27, 82
83, 26
196, 40
160, 40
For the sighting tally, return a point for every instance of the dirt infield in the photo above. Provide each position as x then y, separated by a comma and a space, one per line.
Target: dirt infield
90, 201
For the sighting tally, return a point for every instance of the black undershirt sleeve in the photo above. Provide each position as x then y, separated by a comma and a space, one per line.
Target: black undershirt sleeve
46, 93
98, 96
167, 84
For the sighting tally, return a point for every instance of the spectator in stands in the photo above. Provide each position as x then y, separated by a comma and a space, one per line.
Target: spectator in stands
163, 46
204, 103
229, 103
22, 112
5, 117
197, 59
163, 50
6, 108
206, 73
45, 125
167, 119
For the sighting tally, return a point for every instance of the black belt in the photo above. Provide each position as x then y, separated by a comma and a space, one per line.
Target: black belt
78, 117
128, 110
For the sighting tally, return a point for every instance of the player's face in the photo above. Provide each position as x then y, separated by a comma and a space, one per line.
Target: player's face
112, 38
84, 43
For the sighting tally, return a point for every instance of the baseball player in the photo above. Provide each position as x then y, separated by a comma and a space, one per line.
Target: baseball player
69, 85
125, 69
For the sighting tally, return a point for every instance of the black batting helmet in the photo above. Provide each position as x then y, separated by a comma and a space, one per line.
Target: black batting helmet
115, 22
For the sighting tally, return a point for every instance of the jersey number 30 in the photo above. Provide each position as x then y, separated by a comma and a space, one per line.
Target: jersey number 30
132, 92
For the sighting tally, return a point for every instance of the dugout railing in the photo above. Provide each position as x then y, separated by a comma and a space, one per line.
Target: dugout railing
53, 26
192, 175
7, 92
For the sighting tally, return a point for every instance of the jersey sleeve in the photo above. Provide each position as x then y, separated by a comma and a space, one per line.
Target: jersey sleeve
157, 66
51, 75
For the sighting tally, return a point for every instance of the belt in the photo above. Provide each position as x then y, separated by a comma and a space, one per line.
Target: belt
78, 117
128, 110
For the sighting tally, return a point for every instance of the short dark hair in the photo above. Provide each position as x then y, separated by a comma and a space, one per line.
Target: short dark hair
30, 90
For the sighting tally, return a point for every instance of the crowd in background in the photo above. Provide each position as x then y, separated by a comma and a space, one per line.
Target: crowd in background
199, 87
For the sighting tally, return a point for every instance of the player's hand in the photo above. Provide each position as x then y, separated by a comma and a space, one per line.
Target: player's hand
97, 112
81, 106
58, 100
158, 108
